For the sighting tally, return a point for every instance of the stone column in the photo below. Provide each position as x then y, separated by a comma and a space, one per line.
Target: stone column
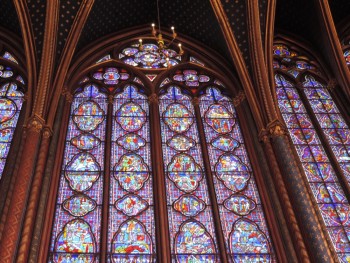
306, 210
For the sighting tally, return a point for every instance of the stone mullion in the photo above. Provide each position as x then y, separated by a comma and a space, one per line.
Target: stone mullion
325, 143
159, 191
210, 183
106, 182
275, 221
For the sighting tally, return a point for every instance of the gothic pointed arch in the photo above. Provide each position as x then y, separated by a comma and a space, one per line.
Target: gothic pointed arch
320, 133
155, 163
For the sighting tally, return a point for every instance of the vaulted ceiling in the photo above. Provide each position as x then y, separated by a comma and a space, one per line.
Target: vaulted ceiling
192, 18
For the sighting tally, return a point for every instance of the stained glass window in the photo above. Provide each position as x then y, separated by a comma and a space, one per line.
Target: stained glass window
242, 217
190, 216
77, 223
11, 99
131, 230
106, 209
296, 107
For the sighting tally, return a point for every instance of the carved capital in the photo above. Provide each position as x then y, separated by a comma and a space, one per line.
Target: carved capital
47, 132
276, 128
195, 101
239, 98
264, 136
332, 83
153, 98
35, 124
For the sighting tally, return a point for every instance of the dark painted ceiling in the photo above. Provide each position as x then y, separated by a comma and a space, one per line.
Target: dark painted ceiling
8, 17
340, 10
193, 18
296, 17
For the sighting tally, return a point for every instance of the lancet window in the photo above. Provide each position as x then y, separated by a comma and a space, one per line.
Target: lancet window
12, 88
107, 207
321, 137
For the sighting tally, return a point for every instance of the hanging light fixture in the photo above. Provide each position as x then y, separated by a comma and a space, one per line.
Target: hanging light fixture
162, 46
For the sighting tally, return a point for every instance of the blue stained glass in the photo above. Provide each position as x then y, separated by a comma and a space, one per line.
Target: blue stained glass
79, 205
194, 241
131, 205
77, 241
11, 100
187, 193
88, 116
77, 222
324, 184
131, 172
242, 219
177, 117
131, 224
246, 238
131, 117
131, 239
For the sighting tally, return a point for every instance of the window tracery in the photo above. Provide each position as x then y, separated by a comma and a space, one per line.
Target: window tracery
108, 159
317, 130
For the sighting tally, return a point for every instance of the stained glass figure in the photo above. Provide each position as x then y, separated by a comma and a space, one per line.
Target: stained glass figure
131, 224
320, 174
247, 240
177, 117
219, 119
184, 172
75, 243
11, 99
131, 205
131, 141
243, 222
149, 56
187, 193
79, 205
131, 117
132, 242
131, 172
85, 141
189, 205
181, 143
77, 223
194, 240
